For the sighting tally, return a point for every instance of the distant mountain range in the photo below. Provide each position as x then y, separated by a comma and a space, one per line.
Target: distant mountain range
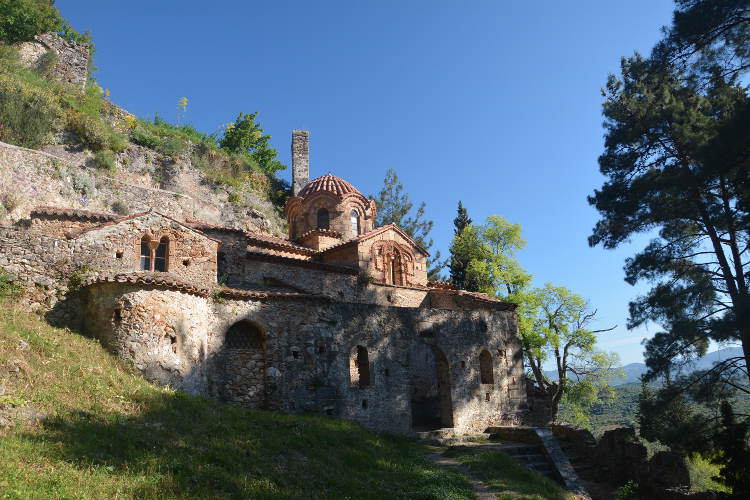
633, 371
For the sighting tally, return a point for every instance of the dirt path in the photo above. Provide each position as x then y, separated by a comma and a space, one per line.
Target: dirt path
479, 489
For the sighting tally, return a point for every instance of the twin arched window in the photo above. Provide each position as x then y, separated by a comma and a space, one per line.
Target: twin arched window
323, 218
154, 257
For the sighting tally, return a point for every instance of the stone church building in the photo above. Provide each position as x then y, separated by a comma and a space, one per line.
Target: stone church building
337, 319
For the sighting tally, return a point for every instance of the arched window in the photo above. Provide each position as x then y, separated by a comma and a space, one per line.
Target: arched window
355, 222
145, 254
244, 335
485, 368
160, 257
322, 218
393, 273
359, 367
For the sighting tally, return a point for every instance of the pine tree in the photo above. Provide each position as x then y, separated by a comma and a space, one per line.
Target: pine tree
459, 260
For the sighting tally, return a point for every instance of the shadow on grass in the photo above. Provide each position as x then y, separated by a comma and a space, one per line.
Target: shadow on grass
187, 447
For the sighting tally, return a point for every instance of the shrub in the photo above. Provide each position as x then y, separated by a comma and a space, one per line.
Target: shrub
105, 160
45, 66
82, 183
91, 131
10, 201
234, 198
120, 208
8, 285
22, 20
28, 114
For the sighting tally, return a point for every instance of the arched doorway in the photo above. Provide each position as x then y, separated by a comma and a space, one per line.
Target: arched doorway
431, 402
245, 364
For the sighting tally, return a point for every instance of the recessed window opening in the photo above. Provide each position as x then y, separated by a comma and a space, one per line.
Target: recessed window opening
364, 404
485, 368
359, 367
145, 254
321, 349
117, 316
387, 372
160, 260
323, 219
295, 354
354, 215
463, 364
487, 396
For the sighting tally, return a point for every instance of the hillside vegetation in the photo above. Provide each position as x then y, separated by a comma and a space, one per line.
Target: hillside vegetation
110, 434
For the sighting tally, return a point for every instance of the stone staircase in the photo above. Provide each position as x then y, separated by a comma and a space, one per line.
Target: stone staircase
530, 456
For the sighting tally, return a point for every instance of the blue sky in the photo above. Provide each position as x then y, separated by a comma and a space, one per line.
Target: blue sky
495, 103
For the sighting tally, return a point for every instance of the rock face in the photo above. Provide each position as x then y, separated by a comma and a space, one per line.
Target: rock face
72, 59
62, 177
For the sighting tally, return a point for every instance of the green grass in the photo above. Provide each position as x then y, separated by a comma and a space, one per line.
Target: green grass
113, 435
500, 472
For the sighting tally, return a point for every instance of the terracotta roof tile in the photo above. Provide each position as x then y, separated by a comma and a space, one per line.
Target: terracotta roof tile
73, 213
263, 238
329, 183
322, 266
165, 280
242, 294
375, 232
323, 232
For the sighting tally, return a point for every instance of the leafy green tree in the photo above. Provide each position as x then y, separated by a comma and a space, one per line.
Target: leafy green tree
395, 207
245, 137
22, 20
554, 324
459, 262
491, 253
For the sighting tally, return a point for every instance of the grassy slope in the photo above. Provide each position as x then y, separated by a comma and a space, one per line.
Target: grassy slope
498, 471
112, 435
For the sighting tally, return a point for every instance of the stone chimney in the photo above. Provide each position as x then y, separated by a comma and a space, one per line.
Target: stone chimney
300, 160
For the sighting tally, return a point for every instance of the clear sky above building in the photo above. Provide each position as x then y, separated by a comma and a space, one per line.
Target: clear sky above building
494, 103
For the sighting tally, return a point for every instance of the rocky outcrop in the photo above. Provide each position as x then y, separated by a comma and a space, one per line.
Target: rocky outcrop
63, 176
71, 59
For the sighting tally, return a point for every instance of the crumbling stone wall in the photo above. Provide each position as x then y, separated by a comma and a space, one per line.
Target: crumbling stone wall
72, 65
308, 344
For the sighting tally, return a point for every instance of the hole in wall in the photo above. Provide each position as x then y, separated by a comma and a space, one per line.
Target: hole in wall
173, 342
487, 396
330, 411
387, 372
321, 349
463, 364
186, 262
117, 316
364, 404
295, 354
119, 255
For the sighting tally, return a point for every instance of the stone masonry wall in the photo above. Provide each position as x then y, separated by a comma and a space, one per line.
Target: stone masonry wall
177, 338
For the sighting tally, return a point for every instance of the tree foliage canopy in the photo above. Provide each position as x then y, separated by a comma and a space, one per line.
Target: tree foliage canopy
22, 20
245, 136
676, 157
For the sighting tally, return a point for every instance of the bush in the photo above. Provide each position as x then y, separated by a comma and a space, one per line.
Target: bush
10, 201
82, 183
91, 130
8, 285
28, 114
105, 160
234, 198
45, 66
120, 208
22, 20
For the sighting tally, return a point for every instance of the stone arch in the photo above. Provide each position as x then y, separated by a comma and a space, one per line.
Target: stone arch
486, 373
359, 367
244, 363
431, 399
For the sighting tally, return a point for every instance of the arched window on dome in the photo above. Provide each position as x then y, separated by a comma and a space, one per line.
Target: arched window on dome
355, 222
323, 220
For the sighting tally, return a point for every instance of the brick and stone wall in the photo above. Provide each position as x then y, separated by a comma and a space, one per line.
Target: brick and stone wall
180, 339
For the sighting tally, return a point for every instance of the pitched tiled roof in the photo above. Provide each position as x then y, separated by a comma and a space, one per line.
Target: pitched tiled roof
329, 183
375, 232
240, 294
73, 213
322, 232
262, 238
443, 285
164, 280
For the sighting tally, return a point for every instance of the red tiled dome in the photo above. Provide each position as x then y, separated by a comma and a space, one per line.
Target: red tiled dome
330, 184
